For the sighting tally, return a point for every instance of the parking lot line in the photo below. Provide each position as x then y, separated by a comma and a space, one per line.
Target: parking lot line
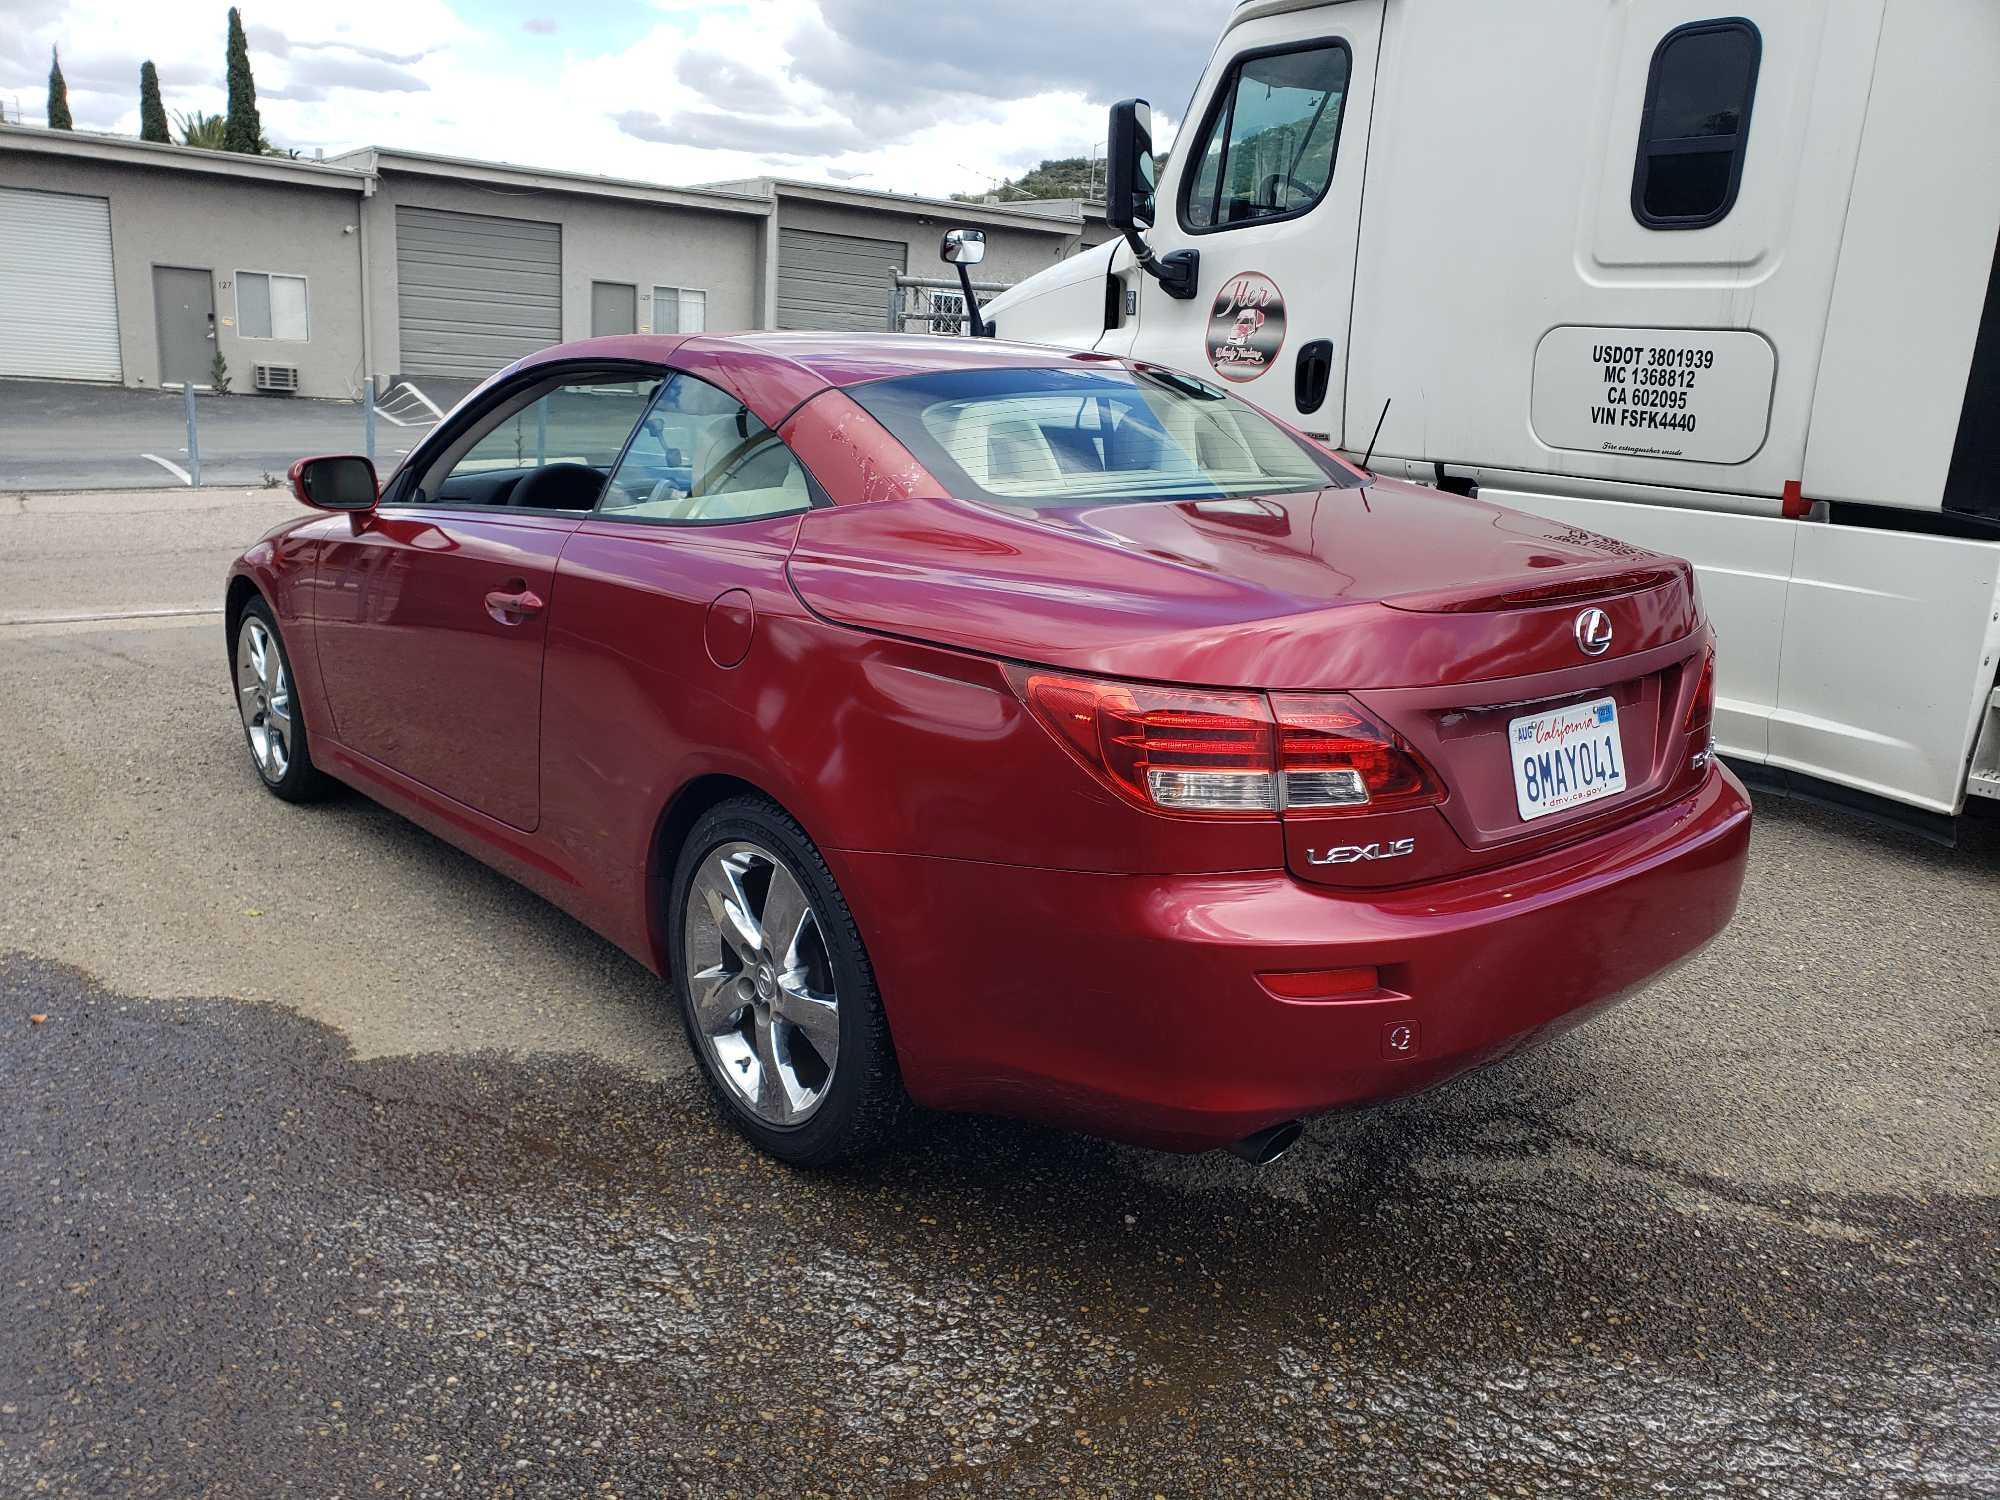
11, 622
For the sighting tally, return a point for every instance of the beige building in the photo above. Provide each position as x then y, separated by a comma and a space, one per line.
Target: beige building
836, 250
134, 263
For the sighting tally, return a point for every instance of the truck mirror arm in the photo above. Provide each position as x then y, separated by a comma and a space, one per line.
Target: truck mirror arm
975, 323
1177, 272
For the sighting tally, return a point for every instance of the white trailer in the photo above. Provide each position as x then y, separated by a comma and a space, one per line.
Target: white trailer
1719, 283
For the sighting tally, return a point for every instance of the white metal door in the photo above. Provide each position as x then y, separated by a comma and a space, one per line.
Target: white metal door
58, 301
1249, 187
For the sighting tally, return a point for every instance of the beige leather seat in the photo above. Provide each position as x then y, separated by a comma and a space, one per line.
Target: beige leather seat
764, 480
1001, 448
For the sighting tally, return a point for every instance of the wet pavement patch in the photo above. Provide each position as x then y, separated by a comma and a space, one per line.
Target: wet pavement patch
239, 1262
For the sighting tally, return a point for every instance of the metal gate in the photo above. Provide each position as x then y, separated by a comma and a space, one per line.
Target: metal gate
474, 293
58, 301
835, 280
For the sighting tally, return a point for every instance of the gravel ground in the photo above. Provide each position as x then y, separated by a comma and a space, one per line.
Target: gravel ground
340, 1165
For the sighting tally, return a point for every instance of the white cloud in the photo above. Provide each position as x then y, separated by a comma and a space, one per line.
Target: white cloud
906, 96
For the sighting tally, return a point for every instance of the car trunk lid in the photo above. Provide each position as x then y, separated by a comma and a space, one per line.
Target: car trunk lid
1383, 586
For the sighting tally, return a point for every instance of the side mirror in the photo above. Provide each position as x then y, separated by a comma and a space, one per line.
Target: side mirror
963, 247
1128, 197
339, 481
966, 248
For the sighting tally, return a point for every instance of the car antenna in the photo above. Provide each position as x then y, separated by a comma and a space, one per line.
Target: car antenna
1375, 434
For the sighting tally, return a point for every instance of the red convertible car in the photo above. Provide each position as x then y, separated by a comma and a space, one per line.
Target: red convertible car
1005, 729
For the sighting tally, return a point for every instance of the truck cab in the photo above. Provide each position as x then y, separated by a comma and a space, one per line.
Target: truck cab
1714, 282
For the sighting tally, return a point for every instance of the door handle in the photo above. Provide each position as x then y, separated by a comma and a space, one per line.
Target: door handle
1310, 375
515, 607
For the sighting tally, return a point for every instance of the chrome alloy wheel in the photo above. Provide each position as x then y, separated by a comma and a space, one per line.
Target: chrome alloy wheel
761, 981
264, 693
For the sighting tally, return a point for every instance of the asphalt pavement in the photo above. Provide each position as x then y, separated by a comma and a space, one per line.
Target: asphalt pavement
339, 1165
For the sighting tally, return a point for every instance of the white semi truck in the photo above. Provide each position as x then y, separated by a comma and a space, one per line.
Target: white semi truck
1720, 283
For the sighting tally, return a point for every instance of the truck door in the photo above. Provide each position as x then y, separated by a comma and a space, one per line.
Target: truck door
1265, 182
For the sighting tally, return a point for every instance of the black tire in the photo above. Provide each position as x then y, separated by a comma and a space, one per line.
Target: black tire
299, 780
864, 1106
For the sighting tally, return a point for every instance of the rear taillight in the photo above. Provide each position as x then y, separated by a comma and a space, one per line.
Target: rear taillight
1701, 709
1180, 750
1220, 754
1336, 757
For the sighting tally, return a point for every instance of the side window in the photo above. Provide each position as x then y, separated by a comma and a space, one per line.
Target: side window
1267, 147
1695, 124
699, 455
548, 447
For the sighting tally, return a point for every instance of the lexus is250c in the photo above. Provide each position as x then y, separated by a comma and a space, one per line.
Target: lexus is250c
1005, 729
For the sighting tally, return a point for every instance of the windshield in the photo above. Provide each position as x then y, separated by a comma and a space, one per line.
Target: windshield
1071, 436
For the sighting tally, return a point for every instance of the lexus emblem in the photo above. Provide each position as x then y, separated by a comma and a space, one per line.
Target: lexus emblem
1593, 632
1347, 854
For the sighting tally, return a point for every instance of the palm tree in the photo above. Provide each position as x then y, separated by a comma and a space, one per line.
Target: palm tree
209, 131
198, 129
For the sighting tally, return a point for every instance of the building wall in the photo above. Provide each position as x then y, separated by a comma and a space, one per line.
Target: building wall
640, 244
226, 225
1012, 253
163, 216
1095, 233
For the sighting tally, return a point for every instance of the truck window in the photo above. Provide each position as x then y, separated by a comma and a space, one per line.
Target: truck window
1695, 124
1266, 149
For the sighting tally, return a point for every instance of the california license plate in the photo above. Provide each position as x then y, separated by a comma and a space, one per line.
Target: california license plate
1566, 757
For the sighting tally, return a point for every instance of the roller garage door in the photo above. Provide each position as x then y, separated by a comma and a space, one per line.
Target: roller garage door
836, 280
58, 302
474, 293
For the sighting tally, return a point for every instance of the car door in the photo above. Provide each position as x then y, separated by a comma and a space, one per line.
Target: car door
668, 645
1265, 184
432, 610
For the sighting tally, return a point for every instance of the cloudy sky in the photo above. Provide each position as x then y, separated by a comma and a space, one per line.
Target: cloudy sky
929, 98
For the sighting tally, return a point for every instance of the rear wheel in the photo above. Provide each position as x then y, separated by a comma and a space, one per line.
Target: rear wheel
776, 989
273, 727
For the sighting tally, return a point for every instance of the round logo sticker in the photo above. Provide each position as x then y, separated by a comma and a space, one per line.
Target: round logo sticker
1246, 326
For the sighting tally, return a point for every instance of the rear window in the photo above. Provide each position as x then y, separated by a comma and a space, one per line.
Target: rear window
1050, 437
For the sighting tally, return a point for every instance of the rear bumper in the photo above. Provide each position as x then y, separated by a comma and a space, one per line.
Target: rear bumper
1128, 1006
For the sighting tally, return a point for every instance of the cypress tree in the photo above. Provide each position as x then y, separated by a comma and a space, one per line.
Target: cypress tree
58, 95
244, 131
152, 113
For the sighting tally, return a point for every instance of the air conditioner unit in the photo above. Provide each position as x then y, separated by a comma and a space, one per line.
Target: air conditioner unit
281, 380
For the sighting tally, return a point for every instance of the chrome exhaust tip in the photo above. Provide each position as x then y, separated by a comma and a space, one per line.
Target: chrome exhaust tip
1267, 1145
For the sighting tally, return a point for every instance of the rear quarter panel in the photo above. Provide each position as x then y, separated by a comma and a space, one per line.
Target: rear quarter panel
873, 744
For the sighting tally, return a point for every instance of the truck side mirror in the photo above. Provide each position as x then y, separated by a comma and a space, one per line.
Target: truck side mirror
1129, 198
1128, 161
966, 248
963, 247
